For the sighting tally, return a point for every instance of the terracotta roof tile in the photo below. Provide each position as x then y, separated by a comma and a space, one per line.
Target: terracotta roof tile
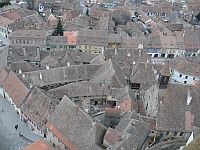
4, 22
61, 136
38, 145
15, 89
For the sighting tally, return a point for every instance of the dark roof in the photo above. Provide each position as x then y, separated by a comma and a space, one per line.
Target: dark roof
109, 74
191, 39
136, 133
165, 70
28, 34
182, 65
62, 58
75, 124
152, 42
174, 113
144, 74
38, 107
92, 37
125, 57
59, 75
80, 89
30, 53
21, 65
56, 40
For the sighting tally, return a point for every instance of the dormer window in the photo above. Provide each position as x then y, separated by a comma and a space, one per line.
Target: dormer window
180, 75
186, 77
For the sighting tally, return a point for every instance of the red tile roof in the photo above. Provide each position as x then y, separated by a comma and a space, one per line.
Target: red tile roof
12, 15
61, 136
39, 145
15, 89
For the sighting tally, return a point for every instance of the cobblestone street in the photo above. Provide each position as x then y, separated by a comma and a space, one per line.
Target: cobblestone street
9, 136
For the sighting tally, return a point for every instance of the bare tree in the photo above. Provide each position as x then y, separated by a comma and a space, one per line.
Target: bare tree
121, 16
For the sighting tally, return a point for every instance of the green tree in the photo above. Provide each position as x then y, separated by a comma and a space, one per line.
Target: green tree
4, 2
198, 17
87, 12
59, 29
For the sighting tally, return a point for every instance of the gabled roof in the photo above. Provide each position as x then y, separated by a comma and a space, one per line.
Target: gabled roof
134, 133
192, 39
21, 65
144, 74
92, 37
12, 15
100, 59
57, 40
126, 57
38, 106
4, 22
59, 75
28, 34
80, 89
30, 53
76, 127
109, 74
182, 65
176, 111
152, 42
15, 88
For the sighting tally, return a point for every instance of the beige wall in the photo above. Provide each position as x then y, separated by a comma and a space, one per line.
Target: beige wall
91, 49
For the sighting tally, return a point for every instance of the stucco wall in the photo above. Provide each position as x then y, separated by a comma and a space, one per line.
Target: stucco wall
183, 78
151, 101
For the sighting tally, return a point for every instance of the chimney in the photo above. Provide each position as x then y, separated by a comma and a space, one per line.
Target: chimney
115, 51
47, 67
189, 97
20, 71
68, 64
40, 76
24, 51
30, 85
38, 51
23, 76
140, 52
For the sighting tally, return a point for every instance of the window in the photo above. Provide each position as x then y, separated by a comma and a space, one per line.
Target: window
167, 133
180, 75
147, 106
185, 82
175, 133
181, 134
186, 77
194, 78
95, 102
162, 55
156, 55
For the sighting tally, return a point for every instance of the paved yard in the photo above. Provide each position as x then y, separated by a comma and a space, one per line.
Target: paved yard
9, 136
